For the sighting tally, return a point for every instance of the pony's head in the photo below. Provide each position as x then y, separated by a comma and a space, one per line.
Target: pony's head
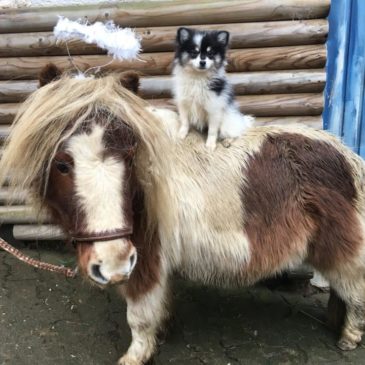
73, 146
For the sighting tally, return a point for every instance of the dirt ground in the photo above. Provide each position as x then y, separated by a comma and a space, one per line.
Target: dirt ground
49, 320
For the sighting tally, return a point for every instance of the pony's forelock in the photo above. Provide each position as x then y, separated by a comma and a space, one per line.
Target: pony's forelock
54, 112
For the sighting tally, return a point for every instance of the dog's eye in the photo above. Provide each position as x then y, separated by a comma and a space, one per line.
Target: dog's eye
210, 53
194, 53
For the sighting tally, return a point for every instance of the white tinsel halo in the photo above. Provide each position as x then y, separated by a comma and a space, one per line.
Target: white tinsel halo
121, 43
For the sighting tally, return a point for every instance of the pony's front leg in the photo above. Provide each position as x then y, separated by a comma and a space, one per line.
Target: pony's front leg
146, 316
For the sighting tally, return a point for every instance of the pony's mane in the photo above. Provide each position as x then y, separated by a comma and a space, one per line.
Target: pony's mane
52, 113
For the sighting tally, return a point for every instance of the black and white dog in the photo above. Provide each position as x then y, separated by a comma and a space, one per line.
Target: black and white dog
202, 92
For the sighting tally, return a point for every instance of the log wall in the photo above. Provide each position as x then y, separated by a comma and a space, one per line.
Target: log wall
276, 61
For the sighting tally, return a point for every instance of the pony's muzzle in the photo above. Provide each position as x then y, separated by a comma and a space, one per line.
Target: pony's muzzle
111, 263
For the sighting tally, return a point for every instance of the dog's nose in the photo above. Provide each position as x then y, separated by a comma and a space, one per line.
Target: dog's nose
202, 63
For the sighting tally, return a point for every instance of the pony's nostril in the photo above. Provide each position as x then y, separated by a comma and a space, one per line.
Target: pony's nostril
95, 270
132, 260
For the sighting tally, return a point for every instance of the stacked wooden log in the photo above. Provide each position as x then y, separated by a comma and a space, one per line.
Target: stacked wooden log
276, 61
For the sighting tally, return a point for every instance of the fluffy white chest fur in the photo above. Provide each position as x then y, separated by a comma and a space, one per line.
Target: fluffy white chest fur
192, 93
202, 107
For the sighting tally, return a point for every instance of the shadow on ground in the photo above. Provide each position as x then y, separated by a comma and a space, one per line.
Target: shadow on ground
48, 320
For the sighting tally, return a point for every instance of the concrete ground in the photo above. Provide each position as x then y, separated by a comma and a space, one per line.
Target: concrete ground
49, 320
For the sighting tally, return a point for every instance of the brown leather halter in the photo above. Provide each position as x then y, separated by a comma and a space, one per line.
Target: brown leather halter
75, 237
101, 236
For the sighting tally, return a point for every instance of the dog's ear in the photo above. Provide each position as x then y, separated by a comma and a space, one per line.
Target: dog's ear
183, 35
130, 80
223, 37
49, 73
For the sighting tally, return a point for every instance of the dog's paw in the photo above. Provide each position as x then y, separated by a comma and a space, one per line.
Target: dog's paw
129, 360
211, 144
183, 132
227, 142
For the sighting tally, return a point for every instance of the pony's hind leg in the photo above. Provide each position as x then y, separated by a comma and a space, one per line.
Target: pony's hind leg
336, 312
353, 327
351, 289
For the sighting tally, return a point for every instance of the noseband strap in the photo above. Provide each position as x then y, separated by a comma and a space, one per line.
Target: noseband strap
101, 236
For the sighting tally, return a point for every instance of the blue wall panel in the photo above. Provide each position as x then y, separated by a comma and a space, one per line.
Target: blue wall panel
355, 78
337, 51
362, 133
344, 93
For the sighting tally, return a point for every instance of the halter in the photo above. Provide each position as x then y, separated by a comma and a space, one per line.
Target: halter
76, 237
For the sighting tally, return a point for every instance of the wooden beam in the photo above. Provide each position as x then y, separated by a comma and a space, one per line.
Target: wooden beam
20, 214
7, 114
7, 196
244, 83
162, 39
245, 35
315, 122
312, 121
309, 120
281, 104
278, 82
14, 91
165, 13
277, 58
258, 105
264, 82
269, 105
39, 232
4, 131
250, 59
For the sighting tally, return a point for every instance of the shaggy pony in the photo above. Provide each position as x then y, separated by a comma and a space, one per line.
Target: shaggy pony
276, 197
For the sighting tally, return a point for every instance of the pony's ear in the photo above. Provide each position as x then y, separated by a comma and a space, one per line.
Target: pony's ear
49, 73
130, 80
183, 35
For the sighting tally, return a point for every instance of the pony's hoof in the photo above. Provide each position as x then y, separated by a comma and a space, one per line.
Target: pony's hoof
129, 360
346, 345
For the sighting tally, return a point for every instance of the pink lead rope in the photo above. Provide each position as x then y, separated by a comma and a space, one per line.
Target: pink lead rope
70, 273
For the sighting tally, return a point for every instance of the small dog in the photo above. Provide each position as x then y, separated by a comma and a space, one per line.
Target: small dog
202, 92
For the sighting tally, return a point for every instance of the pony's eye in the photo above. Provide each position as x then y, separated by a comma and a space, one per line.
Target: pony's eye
63, 167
